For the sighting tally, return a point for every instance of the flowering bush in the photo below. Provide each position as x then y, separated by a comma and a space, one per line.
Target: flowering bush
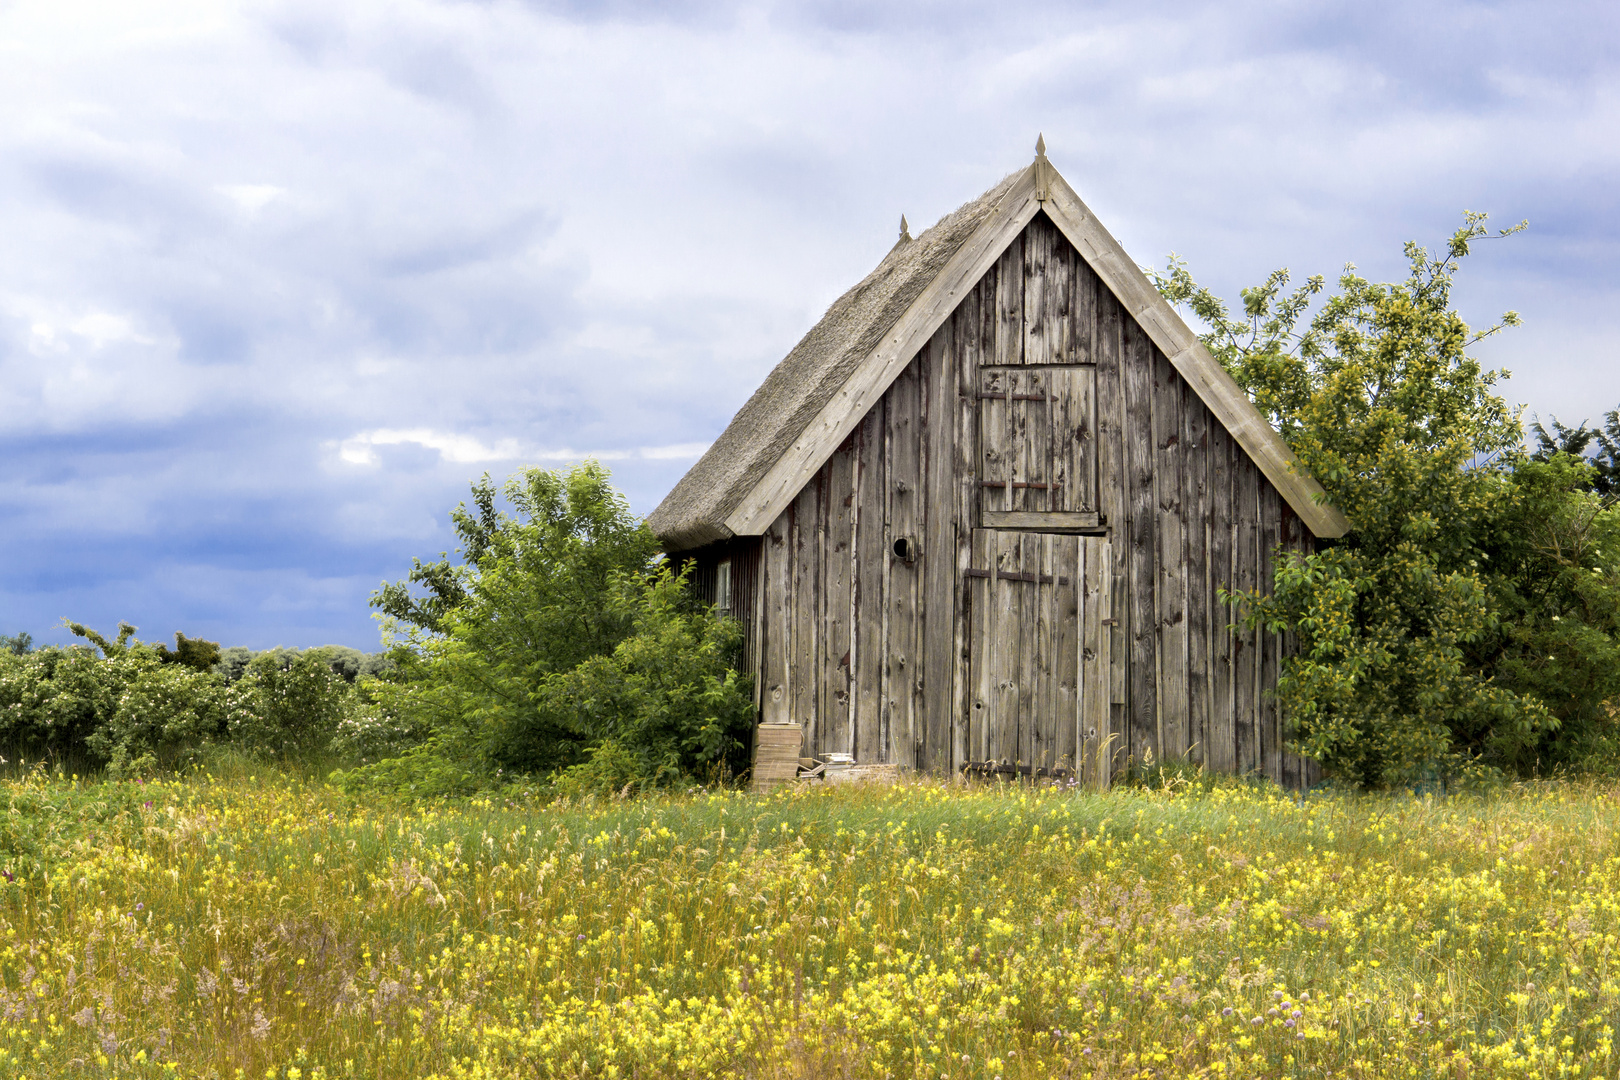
165, 716
287, 707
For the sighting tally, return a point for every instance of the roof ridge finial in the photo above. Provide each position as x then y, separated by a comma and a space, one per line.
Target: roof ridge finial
905, 230
1040, 146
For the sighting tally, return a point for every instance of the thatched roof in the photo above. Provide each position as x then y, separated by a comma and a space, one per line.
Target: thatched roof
694, 513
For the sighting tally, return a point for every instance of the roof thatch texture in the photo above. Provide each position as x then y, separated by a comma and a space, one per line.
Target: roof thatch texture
694, 513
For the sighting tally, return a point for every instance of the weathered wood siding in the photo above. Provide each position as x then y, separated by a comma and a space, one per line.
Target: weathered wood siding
873, 652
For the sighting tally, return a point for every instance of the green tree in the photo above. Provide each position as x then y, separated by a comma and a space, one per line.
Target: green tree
1375, 392
666, 703
1556, 589
557, 642
1599, 447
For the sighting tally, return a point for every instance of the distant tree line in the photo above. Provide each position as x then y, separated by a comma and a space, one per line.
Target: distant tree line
130, 707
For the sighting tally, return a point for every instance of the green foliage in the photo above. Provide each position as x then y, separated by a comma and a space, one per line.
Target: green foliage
18, 644
281, 709
165, 716
533, 604
352, 664
1376, 394
138, 707
1600, 447
194, 653
666, 704
1557, 591
556, 648
445, 582
53, 699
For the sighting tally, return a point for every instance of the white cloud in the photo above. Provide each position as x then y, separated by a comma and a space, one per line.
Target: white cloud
251, 197
460, 449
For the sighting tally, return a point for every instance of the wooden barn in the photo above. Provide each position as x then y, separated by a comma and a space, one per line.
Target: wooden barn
983, 512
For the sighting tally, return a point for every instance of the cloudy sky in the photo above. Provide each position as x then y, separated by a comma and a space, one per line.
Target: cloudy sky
278, 279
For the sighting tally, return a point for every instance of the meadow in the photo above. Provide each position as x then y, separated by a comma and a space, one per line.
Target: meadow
270, 927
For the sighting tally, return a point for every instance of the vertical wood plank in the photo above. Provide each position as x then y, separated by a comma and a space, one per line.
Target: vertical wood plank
939, 554
1038, 331
1170, 594
1009, 306
870, 554
1142, 517
1058, 312
1270, 728
753, 590
981, 642
1095, 689
1112, 467
1084, 300
1068, 647
903, 416
1196, 420
998, 447
1005, 647
1221, 753
1074, 443
1027, 608
776, 582
805, 687
1061, 409
1029, 448
969, 355
838, 553
1246, 575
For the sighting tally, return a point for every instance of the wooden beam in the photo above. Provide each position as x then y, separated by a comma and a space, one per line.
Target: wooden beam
1041, 521
874, 374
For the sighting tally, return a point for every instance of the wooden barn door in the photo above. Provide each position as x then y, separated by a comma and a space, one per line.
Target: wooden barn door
1040, 650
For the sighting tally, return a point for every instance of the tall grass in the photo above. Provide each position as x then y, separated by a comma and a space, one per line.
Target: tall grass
265, 926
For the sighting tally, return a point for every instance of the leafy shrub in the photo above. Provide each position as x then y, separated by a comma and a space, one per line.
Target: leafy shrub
556, 648
1557, 592
352, 664
666, 704
132, 707
280, 708
53, 699
372, 730
165, 717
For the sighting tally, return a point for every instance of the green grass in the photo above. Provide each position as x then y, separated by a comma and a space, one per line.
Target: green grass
262, 925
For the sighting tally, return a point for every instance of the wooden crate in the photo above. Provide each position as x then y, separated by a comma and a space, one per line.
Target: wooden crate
776, 754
